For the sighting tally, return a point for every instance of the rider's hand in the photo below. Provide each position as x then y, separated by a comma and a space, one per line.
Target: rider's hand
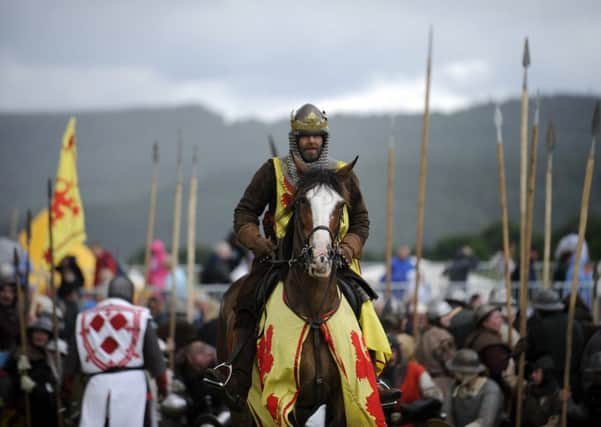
263, 247
346, 252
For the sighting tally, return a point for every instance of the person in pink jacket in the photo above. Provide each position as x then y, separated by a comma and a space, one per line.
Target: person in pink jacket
159, 265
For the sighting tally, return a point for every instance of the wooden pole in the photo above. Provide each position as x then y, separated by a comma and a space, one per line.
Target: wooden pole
532, 183
22, 331
389, 210
523, 219
151, 210
596, 274
504, 218
192, 238
177, 207
548, 204
581, 230
422, 187
52, 289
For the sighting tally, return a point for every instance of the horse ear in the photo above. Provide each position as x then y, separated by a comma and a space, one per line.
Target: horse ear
345, 171
301, 167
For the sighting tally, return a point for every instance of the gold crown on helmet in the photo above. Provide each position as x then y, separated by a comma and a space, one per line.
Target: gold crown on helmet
311, 122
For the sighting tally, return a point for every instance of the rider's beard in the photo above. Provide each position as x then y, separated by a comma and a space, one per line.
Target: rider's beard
309, 156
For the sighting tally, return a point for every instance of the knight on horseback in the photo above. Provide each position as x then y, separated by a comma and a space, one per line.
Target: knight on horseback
273, 187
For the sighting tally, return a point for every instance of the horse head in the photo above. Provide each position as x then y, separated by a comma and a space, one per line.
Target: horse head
319, 202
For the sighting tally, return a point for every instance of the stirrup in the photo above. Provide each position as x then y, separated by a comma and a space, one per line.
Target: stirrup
215, 370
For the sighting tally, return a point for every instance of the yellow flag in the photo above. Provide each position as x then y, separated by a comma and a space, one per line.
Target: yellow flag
68, 225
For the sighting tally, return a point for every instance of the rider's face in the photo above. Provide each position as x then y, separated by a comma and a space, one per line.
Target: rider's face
310, 147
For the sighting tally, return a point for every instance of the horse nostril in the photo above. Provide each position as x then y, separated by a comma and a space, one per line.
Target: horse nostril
322, 258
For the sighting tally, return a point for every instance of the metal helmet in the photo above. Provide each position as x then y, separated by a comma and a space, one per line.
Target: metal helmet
307, 120
466, 361
498, 297
42, 323
547, 300
437, 309
483, 311
121, 287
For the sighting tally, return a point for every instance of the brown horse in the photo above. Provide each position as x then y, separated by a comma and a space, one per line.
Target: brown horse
310, 289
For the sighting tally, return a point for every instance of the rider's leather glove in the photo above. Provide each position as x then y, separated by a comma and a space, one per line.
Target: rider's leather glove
350, 247
250, 237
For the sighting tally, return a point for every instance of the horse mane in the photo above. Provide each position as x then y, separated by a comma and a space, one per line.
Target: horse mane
307, 181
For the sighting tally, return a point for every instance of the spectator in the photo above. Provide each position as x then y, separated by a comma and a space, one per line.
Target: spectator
106, 266
462, 264
217, 269
159, 265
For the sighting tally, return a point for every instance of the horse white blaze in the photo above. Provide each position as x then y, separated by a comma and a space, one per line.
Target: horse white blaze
323, 201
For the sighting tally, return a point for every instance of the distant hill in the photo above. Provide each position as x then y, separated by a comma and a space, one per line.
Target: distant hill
462, 184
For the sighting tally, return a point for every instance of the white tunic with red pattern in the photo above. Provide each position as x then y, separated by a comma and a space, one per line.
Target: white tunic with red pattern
110, 343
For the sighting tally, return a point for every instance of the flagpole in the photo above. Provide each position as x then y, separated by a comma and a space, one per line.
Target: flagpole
151, 211
192, 236
389, 210
504, 217
422, 186
548, 203
590, 164
22, 332
523, 220
59, 409
177, 206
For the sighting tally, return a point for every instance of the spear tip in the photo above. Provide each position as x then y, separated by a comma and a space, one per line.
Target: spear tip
526, 56
550, 136
49, 188
498, 116
155, 152
596, 119
195, 154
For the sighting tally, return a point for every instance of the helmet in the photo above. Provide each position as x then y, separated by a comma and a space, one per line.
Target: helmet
498, 297
121, 287
547, 300
308, 120
437, 309
466, 361
483, 311
43, 323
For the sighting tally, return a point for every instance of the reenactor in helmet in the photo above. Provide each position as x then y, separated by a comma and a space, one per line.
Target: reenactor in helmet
462, 323
272, 188
474, 400
436, 346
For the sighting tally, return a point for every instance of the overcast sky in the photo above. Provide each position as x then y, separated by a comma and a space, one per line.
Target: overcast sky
262, 58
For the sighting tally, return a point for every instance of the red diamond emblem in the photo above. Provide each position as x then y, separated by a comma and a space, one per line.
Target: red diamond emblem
118, 321
109, 345
97, 322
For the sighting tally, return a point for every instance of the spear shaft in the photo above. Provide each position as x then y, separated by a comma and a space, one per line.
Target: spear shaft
177, 207
192, 237
389, 210
422, 187
22, 331
548, 204
590, 164
59, 406
504, 218
523, 221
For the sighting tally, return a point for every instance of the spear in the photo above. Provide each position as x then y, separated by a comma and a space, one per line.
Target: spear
151, 210
192, 236
596, 274
389, 209
22, 332
177, 207
581, 229
422, 186
504, 216
273, 148
59, 409
548, 198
